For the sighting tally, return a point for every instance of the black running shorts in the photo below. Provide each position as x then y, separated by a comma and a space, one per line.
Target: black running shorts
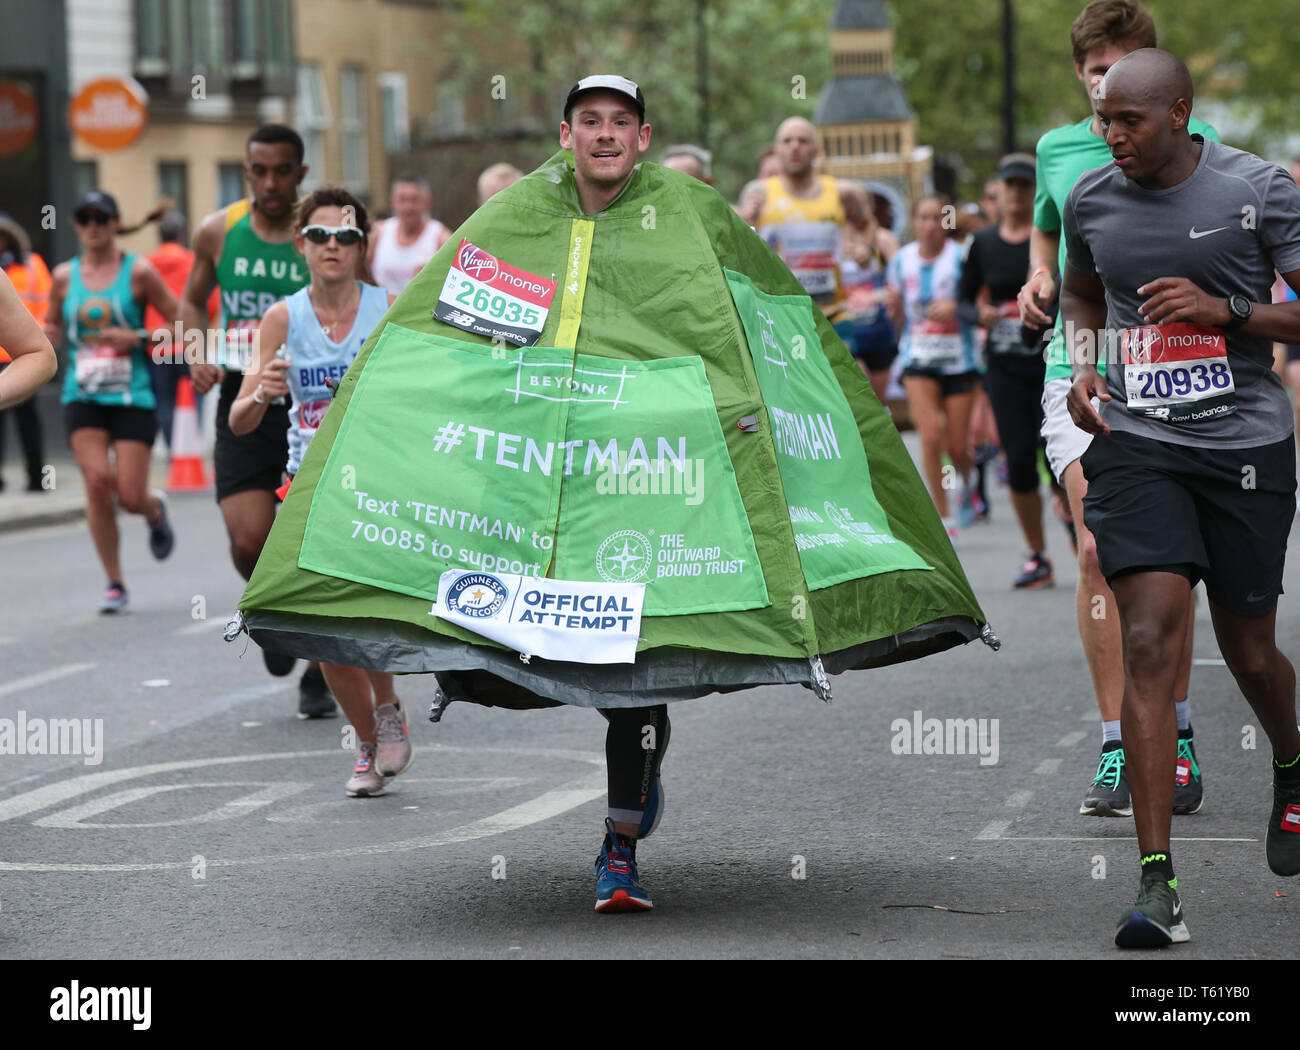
950, 384
257, 459
123, 422
1220, 515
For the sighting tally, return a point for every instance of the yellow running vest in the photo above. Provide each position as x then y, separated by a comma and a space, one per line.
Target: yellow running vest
808, 234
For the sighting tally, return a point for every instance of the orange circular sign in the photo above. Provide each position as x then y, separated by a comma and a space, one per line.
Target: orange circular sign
109, 113
18, 117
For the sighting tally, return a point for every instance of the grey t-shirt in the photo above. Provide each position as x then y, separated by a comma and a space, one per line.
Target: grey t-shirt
1226, 228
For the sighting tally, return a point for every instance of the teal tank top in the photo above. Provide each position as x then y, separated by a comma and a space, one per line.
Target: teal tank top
97, 372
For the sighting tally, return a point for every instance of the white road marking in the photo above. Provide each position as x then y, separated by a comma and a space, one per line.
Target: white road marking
54, 794
42, 677
1018, 799
202, 626
577, 792
1048, 766
75, 816
1104, 838
1092, 716
994, 830
1070, 739
1209, 661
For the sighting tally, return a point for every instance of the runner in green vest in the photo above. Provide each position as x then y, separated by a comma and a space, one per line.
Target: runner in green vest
247, 250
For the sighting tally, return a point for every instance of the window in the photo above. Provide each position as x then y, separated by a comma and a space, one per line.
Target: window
178, 34
85, 176
313, 120
230, 182
208, 37
174, 182
277, 31
394, 114
451, 110
247, 42
353, 125
151, 37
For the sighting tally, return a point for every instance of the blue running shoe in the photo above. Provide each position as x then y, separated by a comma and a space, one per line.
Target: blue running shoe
654, 809
966, 508
617, 888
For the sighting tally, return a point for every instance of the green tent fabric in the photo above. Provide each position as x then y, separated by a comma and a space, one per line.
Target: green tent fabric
812, 549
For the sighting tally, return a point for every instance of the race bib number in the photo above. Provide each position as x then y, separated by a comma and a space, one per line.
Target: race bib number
1004, 336
1177, 373
239, 342
816, 273
488, 297
936, 344
102, 369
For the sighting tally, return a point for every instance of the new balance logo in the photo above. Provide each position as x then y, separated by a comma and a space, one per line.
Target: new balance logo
1195, 234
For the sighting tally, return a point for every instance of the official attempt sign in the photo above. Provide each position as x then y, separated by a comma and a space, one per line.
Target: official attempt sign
491, 298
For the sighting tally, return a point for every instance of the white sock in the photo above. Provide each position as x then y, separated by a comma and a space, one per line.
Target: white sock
1110, 731
1183, 709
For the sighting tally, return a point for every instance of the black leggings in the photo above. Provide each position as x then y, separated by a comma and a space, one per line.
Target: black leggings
1015, 389
631, 763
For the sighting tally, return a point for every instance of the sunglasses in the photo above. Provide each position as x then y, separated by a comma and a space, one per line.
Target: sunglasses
89, 218
345, 235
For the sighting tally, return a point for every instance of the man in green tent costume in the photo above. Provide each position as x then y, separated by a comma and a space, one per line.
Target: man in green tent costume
604, 451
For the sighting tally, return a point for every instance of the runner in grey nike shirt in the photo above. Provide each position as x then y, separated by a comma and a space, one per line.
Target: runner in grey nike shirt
1191, 476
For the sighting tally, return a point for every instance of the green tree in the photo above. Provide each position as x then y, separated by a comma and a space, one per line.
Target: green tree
1242, 58
757, 52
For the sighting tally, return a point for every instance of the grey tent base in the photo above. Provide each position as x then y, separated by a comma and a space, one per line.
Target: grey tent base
499, 678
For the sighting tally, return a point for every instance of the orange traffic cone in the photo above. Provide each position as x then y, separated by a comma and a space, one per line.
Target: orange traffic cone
187, 473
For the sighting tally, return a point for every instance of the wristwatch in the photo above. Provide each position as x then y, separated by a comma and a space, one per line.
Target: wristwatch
1240, 308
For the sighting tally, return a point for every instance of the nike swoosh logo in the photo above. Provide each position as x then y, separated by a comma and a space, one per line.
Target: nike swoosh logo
1195, 235
1253, 597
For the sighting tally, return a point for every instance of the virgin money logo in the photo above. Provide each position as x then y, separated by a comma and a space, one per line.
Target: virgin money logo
311, 413
477, 263
1145, 344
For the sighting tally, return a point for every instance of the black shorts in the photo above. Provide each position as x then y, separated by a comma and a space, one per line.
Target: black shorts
1218, 515
123, 422
877, 360
1015, 388
1292, 353
950, 384
257, 459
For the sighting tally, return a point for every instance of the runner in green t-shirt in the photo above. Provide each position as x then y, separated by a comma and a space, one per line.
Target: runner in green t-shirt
1104, 32
247, 250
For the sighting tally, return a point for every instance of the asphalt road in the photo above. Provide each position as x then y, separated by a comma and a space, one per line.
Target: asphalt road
215, 824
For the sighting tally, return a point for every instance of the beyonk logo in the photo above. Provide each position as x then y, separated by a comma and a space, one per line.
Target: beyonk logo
946, 736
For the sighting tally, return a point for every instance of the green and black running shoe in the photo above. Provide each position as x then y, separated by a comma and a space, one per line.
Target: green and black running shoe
1156, 919
1109, 794
1188, 787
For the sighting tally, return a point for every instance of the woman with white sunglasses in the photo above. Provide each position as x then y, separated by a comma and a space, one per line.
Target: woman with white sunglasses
321, 328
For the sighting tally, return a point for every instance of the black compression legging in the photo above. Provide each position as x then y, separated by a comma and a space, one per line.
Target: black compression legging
631, 763
1015, 389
